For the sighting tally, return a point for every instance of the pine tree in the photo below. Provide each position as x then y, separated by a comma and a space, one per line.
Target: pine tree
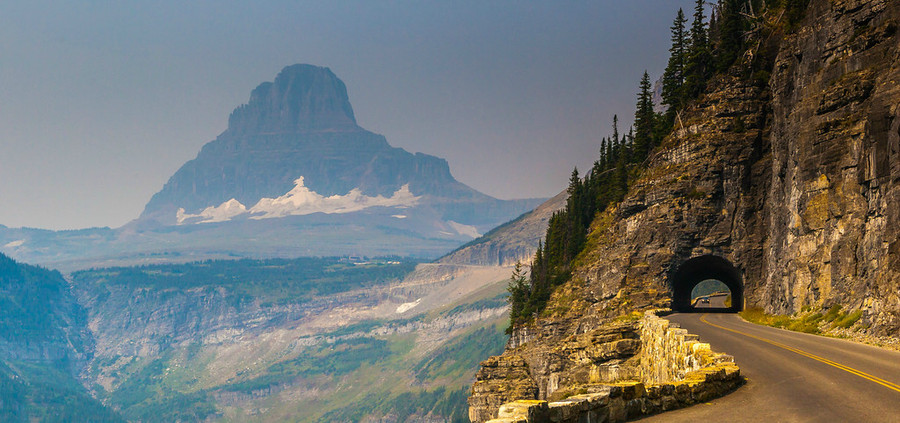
795, 10
621, 167
610, 155
615, 138
603, 162
673, 77
699, 59
643, 121
539, 268
574, 222
519, 293
729, 30
574, 182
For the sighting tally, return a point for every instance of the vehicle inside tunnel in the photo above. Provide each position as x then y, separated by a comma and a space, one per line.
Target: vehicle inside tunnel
700, 284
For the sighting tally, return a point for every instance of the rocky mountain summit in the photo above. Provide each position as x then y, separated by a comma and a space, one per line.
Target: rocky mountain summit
300, 131
303, 98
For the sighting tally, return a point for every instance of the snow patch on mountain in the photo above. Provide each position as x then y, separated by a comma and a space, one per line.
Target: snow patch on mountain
462, 229
220, 213
299, 201
403, 308
14, 244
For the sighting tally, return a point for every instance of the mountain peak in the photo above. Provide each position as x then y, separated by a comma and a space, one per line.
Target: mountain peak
303, 98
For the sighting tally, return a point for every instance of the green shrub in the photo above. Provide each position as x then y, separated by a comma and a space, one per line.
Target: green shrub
848, 320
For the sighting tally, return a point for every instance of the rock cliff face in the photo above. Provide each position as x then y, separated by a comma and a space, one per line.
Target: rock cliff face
303, 98
44, 345
788, 191
834, 234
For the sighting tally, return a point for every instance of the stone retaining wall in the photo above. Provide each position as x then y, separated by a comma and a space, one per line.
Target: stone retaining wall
677, 369
669, 353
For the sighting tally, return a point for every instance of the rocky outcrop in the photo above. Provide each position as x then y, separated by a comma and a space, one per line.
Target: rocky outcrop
789, 189
675, 370
835, 192
572, 364
303, 98
501, 379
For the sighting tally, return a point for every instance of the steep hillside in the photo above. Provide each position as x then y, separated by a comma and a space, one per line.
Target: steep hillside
44, 342
516, 240
785, 188
308, 339
834, 200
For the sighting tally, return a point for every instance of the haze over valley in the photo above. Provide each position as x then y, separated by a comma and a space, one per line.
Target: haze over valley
421, 213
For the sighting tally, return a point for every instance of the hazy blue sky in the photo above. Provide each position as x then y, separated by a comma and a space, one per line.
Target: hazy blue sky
101, 101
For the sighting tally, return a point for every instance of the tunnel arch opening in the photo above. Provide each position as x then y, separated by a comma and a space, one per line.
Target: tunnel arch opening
703, 268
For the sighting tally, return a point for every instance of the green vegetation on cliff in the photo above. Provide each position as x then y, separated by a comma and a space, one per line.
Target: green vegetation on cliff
440, 387
218, 340
36, 307
456, 359
737, 37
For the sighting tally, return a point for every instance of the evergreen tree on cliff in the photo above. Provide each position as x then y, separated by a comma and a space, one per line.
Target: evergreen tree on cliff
698, 67
730, 34
644, 118
673, 77
575, 227
518, 294
795, 10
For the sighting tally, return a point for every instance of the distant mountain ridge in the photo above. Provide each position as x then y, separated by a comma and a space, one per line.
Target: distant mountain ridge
292, 175
514, 241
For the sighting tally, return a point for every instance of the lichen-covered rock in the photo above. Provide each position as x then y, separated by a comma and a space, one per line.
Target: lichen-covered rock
500, 380
834, 199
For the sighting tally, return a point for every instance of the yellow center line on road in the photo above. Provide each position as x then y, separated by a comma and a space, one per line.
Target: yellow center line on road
845, 368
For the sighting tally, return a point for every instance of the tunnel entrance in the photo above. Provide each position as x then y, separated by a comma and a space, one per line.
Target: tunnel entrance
703, 271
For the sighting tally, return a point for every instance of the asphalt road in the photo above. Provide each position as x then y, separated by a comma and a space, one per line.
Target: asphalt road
794, 377
715, 301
